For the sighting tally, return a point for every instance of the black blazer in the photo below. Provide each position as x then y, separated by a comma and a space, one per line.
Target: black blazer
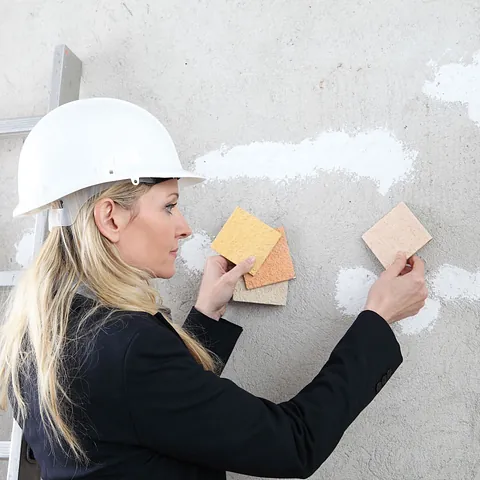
146, 410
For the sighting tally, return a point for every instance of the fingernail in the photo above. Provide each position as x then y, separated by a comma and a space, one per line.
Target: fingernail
251, 259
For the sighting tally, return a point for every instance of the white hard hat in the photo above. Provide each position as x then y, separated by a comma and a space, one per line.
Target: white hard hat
82, 147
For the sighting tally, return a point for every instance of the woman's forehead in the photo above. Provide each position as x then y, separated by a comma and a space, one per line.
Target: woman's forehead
166, 189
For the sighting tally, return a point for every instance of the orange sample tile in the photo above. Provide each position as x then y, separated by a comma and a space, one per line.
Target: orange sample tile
278, 266
243, 236
398, 231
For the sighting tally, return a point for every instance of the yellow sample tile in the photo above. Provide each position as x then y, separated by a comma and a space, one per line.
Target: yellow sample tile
275, 294
245, 236
398, 231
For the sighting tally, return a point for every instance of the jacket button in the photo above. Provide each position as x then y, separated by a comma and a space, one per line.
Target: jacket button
384, 380
378, 387
389, 373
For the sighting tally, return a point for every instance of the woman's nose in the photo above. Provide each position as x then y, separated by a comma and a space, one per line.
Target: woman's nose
184, 230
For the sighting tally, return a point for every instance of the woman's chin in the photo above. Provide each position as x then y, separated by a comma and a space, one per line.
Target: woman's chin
167, 273
166, 270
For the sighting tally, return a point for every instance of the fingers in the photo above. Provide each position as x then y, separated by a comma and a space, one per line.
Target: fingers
417, 276
217, 260
234, 275
397, 266
418, 266
407, 269
413, 265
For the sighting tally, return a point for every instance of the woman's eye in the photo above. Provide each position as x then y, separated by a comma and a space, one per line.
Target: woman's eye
170, 207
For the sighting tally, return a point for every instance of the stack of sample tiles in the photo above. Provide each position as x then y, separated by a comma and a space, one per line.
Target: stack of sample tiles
243, 236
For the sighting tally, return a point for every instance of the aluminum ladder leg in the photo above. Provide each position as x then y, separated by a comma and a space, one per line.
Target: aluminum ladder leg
65, 87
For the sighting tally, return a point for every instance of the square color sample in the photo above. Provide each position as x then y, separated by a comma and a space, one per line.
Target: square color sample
244, 236
278, 266
275, 294
398, 231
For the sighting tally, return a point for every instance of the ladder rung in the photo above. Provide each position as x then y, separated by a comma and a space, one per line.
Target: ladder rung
18, 126
4, 450
9, 278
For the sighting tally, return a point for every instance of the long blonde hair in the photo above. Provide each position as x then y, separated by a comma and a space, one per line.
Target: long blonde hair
33, 337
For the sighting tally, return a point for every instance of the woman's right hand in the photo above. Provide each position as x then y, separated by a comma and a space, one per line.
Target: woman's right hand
396, 294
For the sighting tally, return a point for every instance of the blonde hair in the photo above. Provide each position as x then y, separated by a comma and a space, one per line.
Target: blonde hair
33, 338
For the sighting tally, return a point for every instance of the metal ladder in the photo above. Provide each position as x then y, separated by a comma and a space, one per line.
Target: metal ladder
65, 87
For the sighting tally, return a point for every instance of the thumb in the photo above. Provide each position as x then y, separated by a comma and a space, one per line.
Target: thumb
239, 270
397, 266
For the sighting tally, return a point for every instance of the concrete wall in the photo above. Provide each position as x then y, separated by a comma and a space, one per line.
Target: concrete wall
361, 104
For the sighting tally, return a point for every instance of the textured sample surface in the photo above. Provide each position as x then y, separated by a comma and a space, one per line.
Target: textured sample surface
275, 294
278, 266
244, 235
397, 231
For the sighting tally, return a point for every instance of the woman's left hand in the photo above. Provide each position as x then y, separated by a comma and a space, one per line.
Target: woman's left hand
218, 284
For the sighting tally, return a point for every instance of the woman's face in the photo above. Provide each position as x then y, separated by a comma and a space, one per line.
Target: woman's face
149, 239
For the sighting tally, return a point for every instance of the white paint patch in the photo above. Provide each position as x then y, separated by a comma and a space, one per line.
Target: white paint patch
376, 154
456, 82
195, 251
352, 287
24, 249
424, 320
453, 283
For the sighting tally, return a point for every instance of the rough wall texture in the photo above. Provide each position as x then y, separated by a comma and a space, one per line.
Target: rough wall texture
318, 116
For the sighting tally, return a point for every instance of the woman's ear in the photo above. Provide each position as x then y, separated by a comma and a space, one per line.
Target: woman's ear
110, 219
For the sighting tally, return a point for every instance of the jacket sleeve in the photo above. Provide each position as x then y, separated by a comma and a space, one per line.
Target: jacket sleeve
192, 415
220, 337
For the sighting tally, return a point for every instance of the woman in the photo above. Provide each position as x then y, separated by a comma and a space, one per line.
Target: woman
103, 384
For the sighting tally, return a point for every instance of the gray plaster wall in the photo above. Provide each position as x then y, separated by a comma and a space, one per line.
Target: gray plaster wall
230, 73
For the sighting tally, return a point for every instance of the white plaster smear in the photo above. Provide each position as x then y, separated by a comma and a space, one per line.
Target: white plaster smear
453, 283
24, 249
376, 155
352, 287
424, 320
448, 283
457, 82
195, 250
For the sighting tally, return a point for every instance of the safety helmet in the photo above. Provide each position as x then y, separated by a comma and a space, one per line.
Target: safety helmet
81, 148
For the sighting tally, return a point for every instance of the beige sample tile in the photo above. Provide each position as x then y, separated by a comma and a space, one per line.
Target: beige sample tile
398, 231
243, 236
275, 294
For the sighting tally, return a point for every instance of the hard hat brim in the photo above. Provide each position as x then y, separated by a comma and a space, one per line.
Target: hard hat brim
185, 179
